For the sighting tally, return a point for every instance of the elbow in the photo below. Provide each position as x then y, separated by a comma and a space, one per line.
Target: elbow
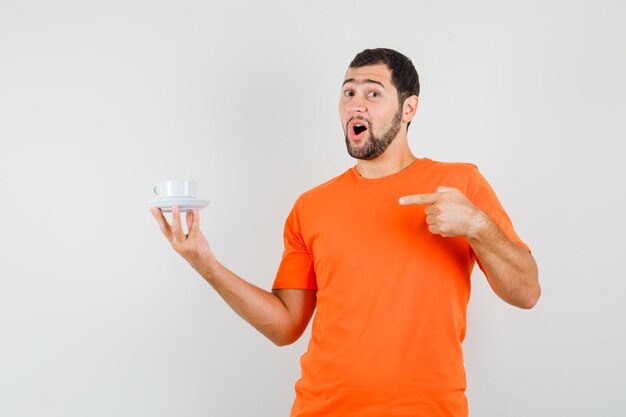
284, 338
529, 303
283, 341
533, 293
531, 299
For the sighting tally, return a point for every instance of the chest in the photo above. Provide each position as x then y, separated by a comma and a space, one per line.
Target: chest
367, 238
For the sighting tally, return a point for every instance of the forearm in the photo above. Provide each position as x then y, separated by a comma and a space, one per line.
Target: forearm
281, 317
262, 309
510, 269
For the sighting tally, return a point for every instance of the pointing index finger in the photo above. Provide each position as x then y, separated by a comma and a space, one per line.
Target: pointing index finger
419, 199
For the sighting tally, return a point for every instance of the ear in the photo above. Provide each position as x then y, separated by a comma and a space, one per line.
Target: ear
409, 108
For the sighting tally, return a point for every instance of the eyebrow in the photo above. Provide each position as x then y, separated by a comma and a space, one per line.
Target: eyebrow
366, 81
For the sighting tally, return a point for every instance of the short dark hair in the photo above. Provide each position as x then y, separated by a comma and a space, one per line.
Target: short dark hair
403, 73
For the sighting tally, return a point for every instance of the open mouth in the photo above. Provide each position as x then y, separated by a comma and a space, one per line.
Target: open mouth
356, 128
359, 128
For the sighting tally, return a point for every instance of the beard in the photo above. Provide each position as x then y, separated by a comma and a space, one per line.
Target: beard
374, 146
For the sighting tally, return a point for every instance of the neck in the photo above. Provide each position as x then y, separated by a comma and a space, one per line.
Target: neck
397, 157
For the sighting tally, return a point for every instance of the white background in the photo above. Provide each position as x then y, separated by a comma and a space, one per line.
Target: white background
99, 100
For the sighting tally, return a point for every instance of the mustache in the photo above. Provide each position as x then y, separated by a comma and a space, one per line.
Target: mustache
357, 117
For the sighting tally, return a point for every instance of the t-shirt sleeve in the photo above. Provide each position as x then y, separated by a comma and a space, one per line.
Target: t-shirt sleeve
483, 196
296, 266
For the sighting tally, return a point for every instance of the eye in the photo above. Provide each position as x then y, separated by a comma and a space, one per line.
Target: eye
348, 93
374, 94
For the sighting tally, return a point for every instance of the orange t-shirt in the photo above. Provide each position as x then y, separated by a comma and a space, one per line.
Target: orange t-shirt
391, 296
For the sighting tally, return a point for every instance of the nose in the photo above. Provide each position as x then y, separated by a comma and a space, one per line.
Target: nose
357, 104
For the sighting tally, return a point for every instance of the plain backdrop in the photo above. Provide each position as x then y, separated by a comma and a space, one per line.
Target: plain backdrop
100, 100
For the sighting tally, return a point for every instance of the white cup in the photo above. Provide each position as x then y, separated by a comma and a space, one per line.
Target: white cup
176, 189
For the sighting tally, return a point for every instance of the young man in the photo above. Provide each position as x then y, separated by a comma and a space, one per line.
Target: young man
384, 252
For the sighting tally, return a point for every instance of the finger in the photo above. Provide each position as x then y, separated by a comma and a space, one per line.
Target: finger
189, 219
177, 229
195, 225
419, 199
432, 209
162, 221
434, 229
430, 220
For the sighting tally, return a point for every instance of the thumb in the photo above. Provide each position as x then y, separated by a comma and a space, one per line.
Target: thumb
443, 189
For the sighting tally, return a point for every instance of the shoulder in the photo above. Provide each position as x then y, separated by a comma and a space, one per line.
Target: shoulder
461, 168
326, 189
452, 174
466, 177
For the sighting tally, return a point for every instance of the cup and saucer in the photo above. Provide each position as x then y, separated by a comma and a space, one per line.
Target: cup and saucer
177, 193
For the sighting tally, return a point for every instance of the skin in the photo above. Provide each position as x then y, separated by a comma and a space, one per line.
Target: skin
367, 94
280, 315
511, 270
377, 101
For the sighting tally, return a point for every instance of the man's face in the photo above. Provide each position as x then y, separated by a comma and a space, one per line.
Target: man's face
370, 114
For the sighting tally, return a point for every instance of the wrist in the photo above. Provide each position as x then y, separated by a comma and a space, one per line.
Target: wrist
206, 265
480, 227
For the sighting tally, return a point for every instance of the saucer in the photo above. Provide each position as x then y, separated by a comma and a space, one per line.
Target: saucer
183, 203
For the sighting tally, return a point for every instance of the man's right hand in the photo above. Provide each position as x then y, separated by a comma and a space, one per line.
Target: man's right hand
281, 315
192, 246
